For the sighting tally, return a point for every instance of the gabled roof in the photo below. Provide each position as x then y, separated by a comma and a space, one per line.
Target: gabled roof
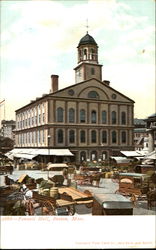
74, 85
105, 85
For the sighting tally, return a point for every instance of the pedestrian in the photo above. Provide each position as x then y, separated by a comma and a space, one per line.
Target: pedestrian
27, 195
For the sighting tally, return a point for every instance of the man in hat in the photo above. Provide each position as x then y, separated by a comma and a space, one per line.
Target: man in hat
27, 194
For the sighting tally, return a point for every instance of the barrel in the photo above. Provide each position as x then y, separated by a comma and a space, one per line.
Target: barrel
54, 192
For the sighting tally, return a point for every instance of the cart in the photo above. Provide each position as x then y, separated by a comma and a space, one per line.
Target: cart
52, 206
133, 183
111, 204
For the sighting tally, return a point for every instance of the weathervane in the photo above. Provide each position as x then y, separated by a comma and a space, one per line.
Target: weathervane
87, 26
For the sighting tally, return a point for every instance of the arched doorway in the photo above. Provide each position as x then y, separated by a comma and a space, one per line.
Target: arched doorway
82, 156
93, 156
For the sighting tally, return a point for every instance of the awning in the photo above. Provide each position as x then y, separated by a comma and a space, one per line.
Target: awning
25, 156
119, 159
132, 153
151, 156
30, 153
57, 165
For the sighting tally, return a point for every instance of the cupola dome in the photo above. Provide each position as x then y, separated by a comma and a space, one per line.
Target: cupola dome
87, 39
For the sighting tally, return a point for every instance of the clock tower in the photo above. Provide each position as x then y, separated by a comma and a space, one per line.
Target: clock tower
88, 66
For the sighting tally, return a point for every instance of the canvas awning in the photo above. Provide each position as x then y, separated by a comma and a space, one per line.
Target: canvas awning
57, 165
151, 156
132, 153
25, 156
30, 153
119, 159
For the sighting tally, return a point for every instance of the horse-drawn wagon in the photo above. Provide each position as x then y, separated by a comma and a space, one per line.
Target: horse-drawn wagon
64, 203
133, 183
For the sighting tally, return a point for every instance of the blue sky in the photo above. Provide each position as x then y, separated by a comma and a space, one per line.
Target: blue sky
39, 38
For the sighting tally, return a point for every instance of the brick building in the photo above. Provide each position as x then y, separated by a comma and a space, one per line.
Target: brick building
90, 118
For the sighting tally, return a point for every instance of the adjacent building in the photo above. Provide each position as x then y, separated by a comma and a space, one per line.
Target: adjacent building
140, 135
7, 128
90, 118
151, 130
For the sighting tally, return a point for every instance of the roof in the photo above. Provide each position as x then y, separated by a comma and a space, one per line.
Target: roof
153, 115
139, 121
140, 130
113, 201
55, 94
87, 39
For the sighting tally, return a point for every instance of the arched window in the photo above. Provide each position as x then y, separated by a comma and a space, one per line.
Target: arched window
93, 116
59, 114
92, 53
82, 115
71, 136
82, 156
82, 136
93, 136
60, 136
104, 136
92, 71
85, 54
123, 137
80, 55
93, 94
104, 117
113, 136
71, 115
94, 156
123, 118
113, 117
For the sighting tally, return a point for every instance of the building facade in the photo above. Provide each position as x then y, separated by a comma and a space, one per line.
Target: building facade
151, 130
90, 118
140, 135
7, 128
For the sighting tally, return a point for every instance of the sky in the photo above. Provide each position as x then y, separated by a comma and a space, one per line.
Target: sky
40, 38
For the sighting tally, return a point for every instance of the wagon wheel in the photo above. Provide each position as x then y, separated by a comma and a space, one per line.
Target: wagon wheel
71, 210
48, 208
30, 208
88, 193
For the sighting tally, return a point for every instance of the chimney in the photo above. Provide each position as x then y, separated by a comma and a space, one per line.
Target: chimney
54, 83
106, 82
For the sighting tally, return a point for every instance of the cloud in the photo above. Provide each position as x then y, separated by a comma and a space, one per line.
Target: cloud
39, 38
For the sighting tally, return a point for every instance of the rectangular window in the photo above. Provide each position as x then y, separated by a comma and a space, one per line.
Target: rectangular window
43, 117
39, 118
32, 121
43, 136
104, 136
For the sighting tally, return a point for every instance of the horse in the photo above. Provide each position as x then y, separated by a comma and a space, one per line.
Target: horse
95, 177
151, 197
